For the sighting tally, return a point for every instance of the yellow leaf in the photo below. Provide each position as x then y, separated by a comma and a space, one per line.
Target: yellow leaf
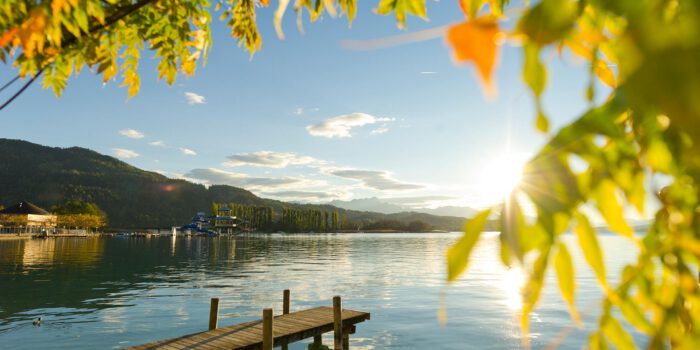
611, 209
576, 46
458, 253
330, 7
471, 7
542, 123
588, 241
617, 335
658, 156
597, 342
605, 74
565, 275
532, 290
477, 41
109, 72
632, 313
400, 8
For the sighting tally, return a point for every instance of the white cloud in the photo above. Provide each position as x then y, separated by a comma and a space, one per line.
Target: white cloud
187, 151
428, 72
308, 195
158, 143
378, 131
131, 133
302, 110
269, 159
212, 176
422, 201
194, 99
341, 126
378, 180
124, 153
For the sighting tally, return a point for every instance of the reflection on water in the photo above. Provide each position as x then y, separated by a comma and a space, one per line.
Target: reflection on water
116, 292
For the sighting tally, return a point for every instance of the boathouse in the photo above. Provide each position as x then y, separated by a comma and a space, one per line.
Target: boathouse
25, 217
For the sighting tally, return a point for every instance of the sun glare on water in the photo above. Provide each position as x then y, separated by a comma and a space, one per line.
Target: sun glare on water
501, 175
512, 282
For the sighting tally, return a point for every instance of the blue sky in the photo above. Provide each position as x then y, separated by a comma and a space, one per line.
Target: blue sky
281, 123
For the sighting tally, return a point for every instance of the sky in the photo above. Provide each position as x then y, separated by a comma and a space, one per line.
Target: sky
309, 119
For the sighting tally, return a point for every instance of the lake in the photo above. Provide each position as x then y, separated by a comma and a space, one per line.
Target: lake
102, 293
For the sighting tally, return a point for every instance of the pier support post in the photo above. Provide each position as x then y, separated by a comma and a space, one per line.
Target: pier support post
214, 313
285, 310
268, 340
318, 342
337, 324
285, 307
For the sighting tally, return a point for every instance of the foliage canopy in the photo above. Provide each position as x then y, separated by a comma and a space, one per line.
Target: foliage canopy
647, 51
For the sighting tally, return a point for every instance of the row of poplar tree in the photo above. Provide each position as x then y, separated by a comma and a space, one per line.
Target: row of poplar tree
264, 218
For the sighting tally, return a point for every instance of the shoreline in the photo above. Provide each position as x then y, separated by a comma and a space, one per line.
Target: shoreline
141, 234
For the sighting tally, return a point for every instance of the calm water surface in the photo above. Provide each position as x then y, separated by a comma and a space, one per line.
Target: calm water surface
102, 293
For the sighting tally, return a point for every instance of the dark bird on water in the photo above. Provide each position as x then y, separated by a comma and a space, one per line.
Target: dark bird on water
37, 322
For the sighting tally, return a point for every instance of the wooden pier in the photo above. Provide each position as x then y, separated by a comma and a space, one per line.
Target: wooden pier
271, 331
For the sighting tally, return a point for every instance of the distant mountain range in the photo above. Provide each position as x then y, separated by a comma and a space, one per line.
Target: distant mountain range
134, 198
385, 206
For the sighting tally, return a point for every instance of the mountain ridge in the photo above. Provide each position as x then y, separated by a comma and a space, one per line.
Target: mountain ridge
136, 198
385, 206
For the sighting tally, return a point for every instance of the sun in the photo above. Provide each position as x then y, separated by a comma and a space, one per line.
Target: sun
501, 175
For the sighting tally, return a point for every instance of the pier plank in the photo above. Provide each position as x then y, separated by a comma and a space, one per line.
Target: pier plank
287, 328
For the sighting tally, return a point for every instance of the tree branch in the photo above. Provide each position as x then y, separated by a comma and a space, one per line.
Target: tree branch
22, 89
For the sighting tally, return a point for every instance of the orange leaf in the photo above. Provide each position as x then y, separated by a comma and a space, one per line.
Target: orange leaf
58, 5
31, 32
265, 3
476, 41
8, 36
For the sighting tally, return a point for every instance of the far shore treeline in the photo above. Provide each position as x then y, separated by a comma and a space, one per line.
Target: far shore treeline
130, 197
265, 219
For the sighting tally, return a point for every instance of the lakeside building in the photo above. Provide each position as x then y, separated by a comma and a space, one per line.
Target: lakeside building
221, 223
26, 217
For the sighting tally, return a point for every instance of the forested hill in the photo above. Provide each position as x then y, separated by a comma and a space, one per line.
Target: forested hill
132, 197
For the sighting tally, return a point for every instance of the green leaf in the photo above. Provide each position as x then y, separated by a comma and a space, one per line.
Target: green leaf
81, 19
550, 183
548, 21
565, 275
458, 254
588, 241
534, 72
400, 8
244, 27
